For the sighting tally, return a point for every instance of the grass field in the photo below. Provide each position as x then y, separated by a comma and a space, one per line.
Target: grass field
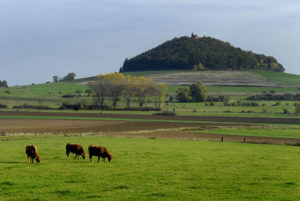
282, 78
149, 169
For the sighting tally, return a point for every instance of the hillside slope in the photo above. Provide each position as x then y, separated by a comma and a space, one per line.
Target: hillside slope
185, 52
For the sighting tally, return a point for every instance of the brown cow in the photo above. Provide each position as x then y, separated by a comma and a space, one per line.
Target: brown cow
32, 153
100, 152
75, 148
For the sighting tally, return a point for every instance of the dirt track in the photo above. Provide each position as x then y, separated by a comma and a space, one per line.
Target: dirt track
133, 129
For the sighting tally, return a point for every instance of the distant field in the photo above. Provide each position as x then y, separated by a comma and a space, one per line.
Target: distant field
47, 89
149, 169
240, 90
282, 78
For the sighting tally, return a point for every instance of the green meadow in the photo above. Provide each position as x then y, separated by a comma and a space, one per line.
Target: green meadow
149, 169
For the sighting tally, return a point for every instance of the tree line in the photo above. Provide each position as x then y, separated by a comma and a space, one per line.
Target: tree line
68, 77
116, 86
187, 53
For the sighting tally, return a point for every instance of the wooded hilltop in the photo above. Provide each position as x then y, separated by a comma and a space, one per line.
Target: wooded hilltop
205, 53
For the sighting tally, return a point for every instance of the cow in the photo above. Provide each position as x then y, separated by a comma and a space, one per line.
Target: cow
32, 154
75, 148
100, 152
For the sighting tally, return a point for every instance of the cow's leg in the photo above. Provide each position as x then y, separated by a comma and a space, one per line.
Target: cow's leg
91, 160
28, 159
32, 159
68, 154
75, 156
104, 159
98, 159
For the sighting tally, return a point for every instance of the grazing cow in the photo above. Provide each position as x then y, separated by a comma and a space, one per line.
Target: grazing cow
32, 153
75, 148
100, 152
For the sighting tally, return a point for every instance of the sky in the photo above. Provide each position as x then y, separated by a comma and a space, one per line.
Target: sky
43, 38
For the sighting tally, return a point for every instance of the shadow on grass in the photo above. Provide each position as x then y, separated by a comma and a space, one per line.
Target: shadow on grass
13, 162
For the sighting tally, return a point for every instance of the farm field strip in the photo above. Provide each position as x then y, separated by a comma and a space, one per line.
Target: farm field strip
274, 132
139, 120
137, 117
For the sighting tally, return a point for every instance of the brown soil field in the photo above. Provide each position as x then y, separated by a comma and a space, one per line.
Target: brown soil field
151, 130
78, 126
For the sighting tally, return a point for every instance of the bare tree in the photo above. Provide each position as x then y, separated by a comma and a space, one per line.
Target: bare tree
100, 87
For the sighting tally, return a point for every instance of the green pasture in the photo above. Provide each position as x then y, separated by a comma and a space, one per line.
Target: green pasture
239, 90
263, 108
149, 169
47, 89
279, 77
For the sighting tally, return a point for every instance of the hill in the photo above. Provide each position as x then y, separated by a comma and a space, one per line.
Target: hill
185, 52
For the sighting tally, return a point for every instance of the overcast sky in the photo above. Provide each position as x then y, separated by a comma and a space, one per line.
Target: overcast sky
42, 38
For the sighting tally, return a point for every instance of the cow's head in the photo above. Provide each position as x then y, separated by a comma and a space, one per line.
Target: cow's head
109, 157
84, 156
38, 159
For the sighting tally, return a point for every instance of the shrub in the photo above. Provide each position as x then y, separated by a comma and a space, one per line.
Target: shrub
3, 106
26, 106
277, 103
285, 111
68, 96
254, 104
165, 113
297, 108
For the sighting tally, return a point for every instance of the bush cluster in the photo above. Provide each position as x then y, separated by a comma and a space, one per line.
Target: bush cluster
3, 106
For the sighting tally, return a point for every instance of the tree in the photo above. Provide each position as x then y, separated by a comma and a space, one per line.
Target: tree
100, 87
198, 92
198, 67
88, 91
183, 94
55, 78
130, 85
69, 77
159, 92
3, 84
115, 86
143, 89
297, 108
